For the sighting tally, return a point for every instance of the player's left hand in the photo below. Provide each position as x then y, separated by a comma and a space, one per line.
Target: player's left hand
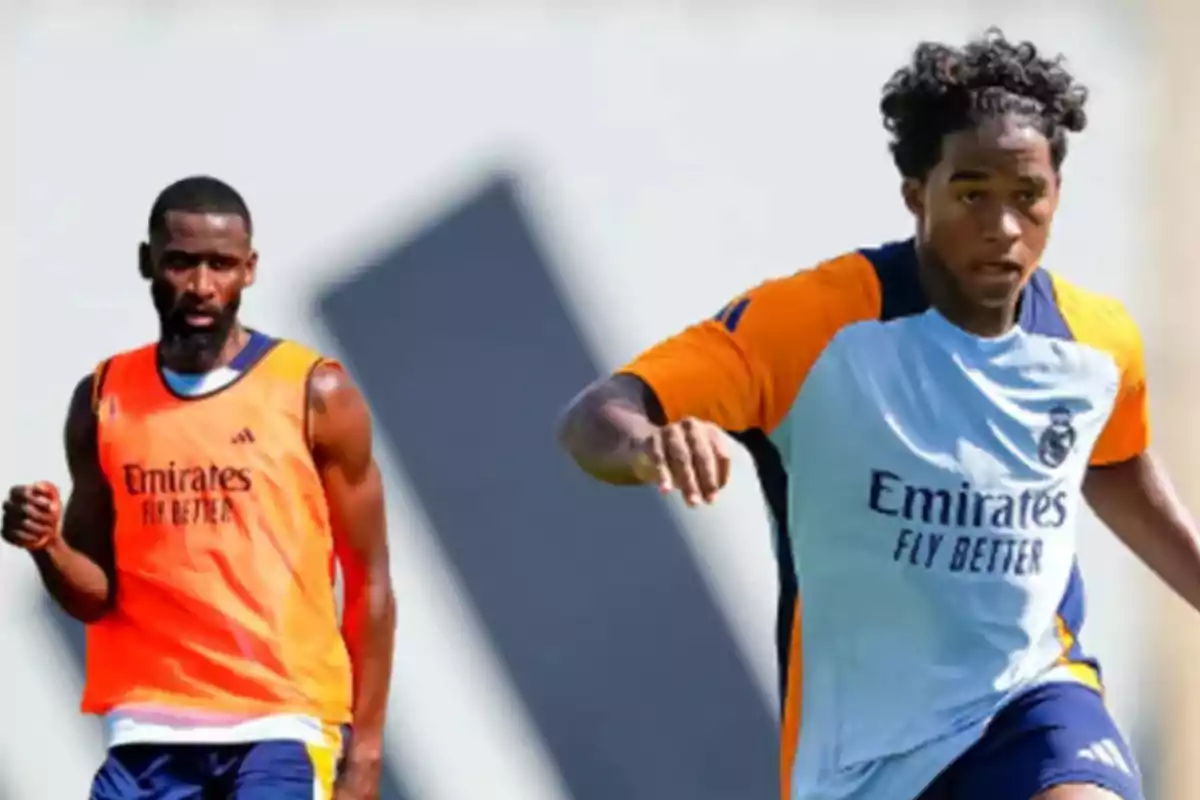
359, 779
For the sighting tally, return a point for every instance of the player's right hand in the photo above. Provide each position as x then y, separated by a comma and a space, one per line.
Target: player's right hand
31, 515
690, 456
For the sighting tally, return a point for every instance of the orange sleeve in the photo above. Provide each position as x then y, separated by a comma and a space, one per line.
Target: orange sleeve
1103, 323
743, 368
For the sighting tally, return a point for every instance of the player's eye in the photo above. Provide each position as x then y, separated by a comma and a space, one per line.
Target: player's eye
177, 261
971, 196
1027, 196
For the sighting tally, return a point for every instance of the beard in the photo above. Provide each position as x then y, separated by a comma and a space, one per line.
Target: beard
186, 347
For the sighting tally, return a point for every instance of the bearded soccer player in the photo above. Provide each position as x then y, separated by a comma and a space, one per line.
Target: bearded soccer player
218, 475
926, 417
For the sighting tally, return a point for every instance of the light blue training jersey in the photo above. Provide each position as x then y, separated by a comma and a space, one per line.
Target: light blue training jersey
926, 486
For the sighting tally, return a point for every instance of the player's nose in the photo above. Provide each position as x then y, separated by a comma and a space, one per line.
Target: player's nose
201, 282
1002, 228
1010, 225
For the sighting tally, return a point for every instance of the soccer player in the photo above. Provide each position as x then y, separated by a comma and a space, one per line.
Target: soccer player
925, 417
218, 475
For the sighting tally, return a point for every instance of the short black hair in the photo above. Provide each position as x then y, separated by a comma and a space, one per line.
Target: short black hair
201, 194
946, 89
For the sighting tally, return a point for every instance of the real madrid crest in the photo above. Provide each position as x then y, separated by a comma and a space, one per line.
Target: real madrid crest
1058, 439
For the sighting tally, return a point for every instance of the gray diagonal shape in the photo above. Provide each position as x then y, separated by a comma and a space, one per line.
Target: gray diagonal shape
588, 593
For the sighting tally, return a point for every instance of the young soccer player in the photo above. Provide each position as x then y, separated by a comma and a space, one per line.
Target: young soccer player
926, 417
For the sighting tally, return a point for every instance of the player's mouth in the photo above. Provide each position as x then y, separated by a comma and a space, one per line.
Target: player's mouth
998, 271
200, 320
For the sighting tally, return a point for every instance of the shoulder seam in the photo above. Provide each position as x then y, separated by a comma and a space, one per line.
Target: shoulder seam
99, 375
1109, 328
857, 266
1101, 299
103, 370
306, 412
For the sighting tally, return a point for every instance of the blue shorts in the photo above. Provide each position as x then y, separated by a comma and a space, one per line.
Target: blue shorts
271, 770
1055, 734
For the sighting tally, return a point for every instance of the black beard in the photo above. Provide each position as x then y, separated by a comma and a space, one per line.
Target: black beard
184, 347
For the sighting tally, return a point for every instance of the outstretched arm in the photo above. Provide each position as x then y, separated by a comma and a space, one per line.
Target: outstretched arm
1136, 500
1126, 485
341, 440
77, 564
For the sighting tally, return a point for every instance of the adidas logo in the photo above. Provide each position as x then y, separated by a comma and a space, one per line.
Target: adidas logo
244, 436
1107, 753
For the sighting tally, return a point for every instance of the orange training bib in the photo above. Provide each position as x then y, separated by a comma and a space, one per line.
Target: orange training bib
224, 550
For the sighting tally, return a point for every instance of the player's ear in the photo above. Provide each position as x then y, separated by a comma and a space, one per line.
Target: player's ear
251, 268
145, 262
913, 192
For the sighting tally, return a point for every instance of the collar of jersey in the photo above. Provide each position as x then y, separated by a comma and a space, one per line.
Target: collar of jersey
961, 338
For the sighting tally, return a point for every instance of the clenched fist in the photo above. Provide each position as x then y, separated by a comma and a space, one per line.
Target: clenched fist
689, 455
31, 515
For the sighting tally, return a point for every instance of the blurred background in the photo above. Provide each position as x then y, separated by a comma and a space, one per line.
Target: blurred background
481, 206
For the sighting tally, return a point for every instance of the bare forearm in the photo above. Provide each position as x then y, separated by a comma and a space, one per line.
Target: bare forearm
76, 582
1176, 559
1137, 501
1169, 547
369, 630
603, 428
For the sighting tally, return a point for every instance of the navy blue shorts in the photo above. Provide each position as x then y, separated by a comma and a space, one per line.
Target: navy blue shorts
1055, 734
271, 770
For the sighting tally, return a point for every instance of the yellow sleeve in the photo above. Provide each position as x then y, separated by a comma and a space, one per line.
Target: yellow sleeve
743, 368
1105, 324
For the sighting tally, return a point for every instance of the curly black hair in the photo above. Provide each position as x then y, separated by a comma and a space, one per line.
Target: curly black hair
945, 89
